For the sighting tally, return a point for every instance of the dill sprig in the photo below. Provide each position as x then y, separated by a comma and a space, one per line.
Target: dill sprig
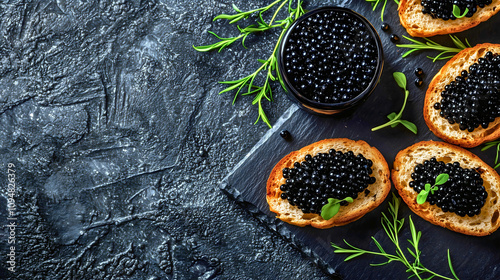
431, 45
490, 145
392, 227
375, 4
270, 65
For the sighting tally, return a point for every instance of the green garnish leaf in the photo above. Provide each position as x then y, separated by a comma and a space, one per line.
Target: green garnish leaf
392, 116
441, 179
411, 126
400, 79
456, 12
392, 227
395, 119
422, 196
331, 209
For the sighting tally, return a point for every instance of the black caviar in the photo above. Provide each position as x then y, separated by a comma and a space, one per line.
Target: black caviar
338, 175
473, 99
394, 38
330, 57
443, 9
463, 193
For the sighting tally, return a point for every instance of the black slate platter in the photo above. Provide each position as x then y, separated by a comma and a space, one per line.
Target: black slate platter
473, 257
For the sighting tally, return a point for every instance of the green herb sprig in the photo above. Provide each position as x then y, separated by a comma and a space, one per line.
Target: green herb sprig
332, 207
490, 145
392, 227
456, 12
395, 119
440, 180
375, 3
269, 66
431, 45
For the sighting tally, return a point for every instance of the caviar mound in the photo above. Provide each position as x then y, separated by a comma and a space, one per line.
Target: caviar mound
463, 193
418, 24
443, 9
315, 179
484, 223
451, 131
367, 200
472, 99
330, 60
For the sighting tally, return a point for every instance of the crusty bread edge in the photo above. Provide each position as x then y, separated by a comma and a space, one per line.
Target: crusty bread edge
460, 24
467, 140
410, 198
344, 216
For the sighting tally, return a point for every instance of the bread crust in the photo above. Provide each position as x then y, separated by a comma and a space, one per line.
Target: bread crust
418, 24
479, 225
347, 214
440, 126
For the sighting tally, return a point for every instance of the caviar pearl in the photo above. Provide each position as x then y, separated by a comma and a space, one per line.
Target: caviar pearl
463, 193
384, 26
443, 9
394, 38
419, 72
326, 175
419, 82
472, 100
337, 56
285, 134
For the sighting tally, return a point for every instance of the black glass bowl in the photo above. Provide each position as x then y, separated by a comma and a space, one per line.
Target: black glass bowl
324, 108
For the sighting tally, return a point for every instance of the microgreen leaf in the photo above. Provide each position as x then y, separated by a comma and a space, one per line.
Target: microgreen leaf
422, 196
391, 116
400, 79
395, 119
411, 126
441, 179
456, 12
331, 209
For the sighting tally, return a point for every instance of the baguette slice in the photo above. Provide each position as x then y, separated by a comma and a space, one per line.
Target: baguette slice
418, 24
353, 211
479, 225
439, 125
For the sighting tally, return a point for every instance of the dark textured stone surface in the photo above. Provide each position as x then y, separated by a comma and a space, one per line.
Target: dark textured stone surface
120, 139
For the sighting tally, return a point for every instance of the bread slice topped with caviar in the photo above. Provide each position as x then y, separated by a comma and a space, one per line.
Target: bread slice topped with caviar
426, 18
462, 103
302, 182
468, 202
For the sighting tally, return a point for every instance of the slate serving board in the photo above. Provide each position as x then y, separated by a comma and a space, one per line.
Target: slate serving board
473, 257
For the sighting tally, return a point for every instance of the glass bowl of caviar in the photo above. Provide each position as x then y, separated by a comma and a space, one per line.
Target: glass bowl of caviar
330, 60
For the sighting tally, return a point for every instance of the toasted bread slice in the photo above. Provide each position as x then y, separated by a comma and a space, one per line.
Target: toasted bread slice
365, 202
479, 225
418, 24
439, 125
